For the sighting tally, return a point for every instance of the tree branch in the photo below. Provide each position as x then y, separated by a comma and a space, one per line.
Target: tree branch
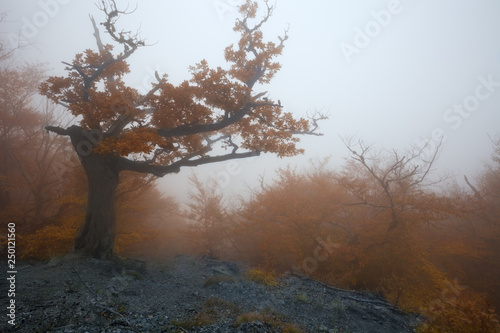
129, 42
472, 187
314, 118
97, 35
161, 170
190, 129
57, 130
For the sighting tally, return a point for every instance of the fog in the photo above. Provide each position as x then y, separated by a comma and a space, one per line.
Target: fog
394, 73
367, 207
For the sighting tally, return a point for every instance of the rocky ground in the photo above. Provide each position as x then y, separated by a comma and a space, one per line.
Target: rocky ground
186, 294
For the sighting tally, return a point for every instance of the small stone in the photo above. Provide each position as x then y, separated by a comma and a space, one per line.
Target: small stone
119, 283
54, 262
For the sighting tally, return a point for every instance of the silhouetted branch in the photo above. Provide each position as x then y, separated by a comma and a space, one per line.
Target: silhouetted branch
190, 129
314, 118
57, 130
472, 187
130, 42
401, 170
161, 170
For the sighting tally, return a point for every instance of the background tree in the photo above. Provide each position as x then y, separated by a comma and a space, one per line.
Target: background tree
473, 234
149, 221
30, 159
171, 126
6, 52
209, 225
399, 177
394, 190
439, 260
32, 162
280, 225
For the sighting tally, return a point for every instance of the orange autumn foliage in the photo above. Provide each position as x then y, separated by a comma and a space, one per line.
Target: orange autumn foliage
336, 227
211, 97
31, 161
218, 114
285, 223
279, 226
147, 221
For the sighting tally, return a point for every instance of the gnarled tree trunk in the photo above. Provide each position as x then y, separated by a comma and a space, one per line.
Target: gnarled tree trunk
96, 236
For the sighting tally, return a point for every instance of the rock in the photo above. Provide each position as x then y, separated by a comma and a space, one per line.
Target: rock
119, 283
222, 270
323, 328
54, 262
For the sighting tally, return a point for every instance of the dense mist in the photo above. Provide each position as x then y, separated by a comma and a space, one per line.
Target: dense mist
357, 144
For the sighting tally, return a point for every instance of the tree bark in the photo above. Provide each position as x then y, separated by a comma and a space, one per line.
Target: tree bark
97, 235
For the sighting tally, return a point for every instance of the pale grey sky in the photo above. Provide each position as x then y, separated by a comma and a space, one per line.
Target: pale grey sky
392, 72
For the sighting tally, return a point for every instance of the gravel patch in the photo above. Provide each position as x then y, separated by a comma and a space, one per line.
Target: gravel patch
186, 294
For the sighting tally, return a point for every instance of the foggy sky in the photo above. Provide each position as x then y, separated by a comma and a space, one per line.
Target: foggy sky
392, 72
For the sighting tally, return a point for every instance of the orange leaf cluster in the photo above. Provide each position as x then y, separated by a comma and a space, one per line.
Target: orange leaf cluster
95, 91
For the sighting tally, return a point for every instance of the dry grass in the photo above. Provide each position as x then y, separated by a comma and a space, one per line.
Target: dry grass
268, 317
263, 277
213, 310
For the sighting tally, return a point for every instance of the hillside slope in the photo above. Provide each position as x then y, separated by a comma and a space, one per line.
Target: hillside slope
187, 294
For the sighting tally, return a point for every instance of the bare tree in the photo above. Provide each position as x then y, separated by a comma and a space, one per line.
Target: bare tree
30, 158
397, 175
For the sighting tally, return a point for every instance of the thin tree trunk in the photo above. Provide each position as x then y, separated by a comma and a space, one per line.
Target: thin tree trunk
97, 235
